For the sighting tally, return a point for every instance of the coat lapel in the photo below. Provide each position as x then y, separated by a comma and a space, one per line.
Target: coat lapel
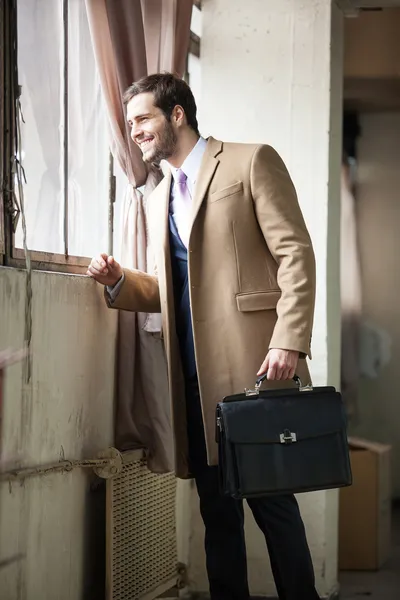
206, 173
160, 236
160, 211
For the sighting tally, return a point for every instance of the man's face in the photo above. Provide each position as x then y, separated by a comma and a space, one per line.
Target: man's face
150, 129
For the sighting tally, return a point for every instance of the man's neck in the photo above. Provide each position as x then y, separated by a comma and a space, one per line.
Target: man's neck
185, 146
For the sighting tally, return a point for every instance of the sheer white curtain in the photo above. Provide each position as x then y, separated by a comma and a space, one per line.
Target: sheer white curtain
88, 145
40, 74
41, 66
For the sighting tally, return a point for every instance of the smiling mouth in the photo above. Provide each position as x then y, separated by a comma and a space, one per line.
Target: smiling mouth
145, 144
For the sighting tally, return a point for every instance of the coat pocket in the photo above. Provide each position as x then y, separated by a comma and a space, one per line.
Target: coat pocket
252, 301
228, 191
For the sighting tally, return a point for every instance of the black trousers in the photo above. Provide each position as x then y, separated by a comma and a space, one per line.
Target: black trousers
278, 517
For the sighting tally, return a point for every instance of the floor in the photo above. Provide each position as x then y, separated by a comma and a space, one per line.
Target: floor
365, 585
380, 585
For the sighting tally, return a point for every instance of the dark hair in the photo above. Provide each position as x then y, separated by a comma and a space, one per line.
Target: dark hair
169, 91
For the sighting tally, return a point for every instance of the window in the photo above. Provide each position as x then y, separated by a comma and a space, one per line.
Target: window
64, 136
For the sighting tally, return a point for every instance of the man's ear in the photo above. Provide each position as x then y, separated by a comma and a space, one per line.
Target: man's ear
178, 115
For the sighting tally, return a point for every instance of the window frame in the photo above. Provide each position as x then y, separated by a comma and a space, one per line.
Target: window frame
2, 122
10, 255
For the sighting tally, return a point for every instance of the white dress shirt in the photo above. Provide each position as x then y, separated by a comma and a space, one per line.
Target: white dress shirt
191, 167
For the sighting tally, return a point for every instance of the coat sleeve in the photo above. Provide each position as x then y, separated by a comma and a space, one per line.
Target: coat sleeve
139, 293
282, 224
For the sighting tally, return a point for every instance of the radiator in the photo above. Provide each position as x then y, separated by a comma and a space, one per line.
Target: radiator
140, 531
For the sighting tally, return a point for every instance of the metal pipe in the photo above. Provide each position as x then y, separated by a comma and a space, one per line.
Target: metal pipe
63, 465
65, 141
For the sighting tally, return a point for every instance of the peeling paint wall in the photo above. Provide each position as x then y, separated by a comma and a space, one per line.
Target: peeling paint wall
56, 521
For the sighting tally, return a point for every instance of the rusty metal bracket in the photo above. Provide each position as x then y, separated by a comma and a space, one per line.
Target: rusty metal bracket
113, 466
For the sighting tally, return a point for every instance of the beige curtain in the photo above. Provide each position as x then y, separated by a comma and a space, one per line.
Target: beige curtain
132, 38
351, 299
166, 30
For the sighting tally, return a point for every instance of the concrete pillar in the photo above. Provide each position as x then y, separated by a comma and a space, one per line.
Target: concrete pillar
271, 72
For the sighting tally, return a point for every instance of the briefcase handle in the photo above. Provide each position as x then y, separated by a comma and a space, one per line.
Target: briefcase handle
296, 379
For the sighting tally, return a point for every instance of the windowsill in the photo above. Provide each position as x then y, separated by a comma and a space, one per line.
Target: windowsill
45, 271
69, 268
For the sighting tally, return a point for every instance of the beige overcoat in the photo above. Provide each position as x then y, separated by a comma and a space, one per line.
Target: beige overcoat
251, 275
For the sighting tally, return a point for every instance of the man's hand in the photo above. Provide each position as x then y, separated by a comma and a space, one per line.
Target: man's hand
279, 364
105, 270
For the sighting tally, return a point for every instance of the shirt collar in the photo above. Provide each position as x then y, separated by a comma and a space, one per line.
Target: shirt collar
191, 164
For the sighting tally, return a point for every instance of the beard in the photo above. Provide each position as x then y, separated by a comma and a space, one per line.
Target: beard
164, 145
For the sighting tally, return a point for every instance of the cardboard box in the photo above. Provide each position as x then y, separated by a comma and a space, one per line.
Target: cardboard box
365, 508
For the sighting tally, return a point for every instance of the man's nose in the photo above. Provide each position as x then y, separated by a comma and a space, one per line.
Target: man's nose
136, 132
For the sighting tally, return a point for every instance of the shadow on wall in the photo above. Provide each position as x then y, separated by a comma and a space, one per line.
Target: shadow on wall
94, 568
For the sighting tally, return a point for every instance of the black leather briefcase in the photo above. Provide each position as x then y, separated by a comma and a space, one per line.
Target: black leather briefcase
282, 441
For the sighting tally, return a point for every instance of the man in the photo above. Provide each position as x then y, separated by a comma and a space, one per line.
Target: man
235, 284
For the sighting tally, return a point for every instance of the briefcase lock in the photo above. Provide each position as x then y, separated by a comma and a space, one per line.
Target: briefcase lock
287, 437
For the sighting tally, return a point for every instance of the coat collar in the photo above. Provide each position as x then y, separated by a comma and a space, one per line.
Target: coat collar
207, 169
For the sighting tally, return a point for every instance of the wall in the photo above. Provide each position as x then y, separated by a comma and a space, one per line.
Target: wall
272, 72
56, 521
378, 205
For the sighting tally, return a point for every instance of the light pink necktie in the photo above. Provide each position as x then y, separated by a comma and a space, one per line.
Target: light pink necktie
182, 206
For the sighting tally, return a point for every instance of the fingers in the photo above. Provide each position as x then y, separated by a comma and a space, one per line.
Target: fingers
95, 274
104, 269
285, 374
282, 371
99, 263
272, 374
269, 367
96, 269
112, 264
280, 365
264, 367
98, 266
